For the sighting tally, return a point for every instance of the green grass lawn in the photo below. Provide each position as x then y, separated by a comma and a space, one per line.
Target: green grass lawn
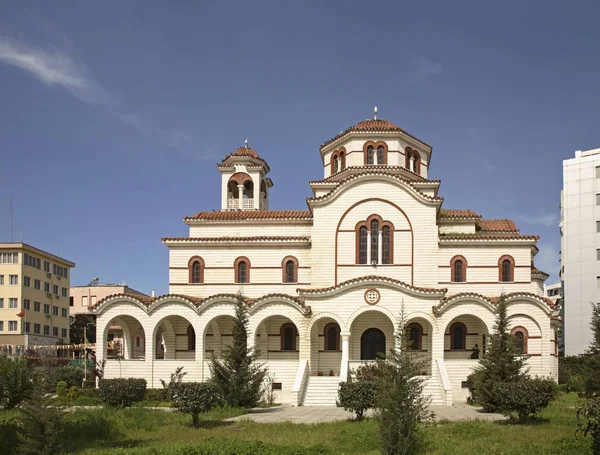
146, 431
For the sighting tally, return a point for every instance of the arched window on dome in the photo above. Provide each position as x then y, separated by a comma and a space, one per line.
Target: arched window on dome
289, 268
506, 269
242, 270
386, 245
375, 241
363, 238
336, 164
196, 270
370, 154
380, 154
342, 161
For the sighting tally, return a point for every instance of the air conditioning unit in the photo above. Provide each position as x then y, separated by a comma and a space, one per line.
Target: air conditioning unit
49, 275
58, 277
47, 316
49, 295
57, 296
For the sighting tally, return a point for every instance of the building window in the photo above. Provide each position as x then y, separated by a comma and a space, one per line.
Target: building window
458, 336
46, 287
191, 338
1, 326
93, 300
47, 330
597, 226
370, 154
55, 331
46, 266
1, 279
64, 292
36, 328
37, 306
380, 155
46, 308
287, 335
335, 164
415, 333
26, 304
26, 281
521, 336
9, 258
289, 267
242, 270
374, 241
13, 303
506, 269
27, 327
342, 161
37, 284
13, 280
55, 289
196, 270
63, 333
598, 172
84, 301
12, 326
458, 269
71, 301
64, 313
55, 311
332, 337
1, 303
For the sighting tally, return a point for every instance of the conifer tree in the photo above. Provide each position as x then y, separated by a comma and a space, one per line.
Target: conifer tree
501, 363
237, 375
592, 356
400, 404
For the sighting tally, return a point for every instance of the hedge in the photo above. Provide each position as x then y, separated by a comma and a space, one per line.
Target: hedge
122, 392
214, 446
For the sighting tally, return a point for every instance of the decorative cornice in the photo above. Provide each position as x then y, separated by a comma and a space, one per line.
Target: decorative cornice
373, 169
245, 215
236, 240
492, 301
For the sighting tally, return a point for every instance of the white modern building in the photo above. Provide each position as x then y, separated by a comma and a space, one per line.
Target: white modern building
580, 230
325, 287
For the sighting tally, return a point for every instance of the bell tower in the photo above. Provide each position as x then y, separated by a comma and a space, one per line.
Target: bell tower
244, 181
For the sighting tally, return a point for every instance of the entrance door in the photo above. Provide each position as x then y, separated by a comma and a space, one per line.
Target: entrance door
372, 343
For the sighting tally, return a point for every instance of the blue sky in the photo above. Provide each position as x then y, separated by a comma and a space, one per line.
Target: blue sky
114, 114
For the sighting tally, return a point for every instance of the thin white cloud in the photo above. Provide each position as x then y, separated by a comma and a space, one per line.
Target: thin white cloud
542, 219
424, 68
54, 68
547, 260
57, 68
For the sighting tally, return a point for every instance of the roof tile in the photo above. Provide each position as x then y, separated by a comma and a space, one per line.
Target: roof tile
452, 213
371, 125
252, 215
498, 225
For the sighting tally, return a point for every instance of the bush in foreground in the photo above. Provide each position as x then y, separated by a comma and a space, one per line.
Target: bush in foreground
358, 394
195, 398
524, 398
15, 380
235, 447
589, 413
121, 392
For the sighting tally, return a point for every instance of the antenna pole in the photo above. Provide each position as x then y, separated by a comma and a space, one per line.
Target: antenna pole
12, 221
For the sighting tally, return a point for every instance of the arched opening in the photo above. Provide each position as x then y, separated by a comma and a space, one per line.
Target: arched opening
331, 335
288, 336
370, 154
191, 338
415, 336
175, 339
326, 345
240, 191
521, 335
125, 339
372, 344
419, 333
465, 338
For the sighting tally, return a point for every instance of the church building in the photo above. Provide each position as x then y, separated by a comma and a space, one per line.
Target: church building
325, 287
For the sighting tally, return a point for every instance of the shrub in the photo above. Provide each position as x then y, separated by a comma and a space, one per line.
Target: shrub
15, 380
53, 372
61, 388
195, 398
168, 389
156, 395
9, 430
88, 392
571, 370
589, 416
524, 397
214, 446
121, 392
357, 396
501, 363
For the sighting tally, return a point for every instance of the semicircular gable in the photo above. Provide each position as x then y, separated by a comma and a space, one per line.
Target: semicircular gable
110, 301
172, 300
386, 210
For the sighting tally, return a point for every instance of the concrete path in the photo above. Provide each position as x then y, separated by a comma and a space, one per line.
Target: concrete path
318, 414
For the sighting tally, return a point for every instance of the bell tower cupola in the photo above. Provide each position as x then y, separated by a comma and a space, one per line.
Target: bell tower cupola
244, 181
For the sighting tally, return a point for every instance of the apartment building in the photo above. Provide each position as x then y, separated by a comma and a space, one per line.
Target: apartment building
34, 296
82, 298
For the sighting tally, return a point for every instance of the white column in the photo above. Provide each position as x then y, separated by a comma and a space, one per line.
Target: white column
256, 192
368, 247
412, 163
379, 247
240, 197
345, 356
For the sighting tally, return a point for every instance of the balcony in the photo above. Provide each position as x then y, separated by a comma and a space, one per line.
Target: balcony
234, 204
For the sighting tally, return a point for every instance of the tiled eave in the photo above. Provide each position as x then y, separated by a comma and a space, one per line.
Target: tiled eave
374, 169
257, 240
493, 301
352, 132
491, 238
375, 280
250, 215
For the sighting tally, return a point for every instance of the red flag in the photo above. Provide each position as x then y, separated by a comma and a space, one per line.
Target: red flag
21, 314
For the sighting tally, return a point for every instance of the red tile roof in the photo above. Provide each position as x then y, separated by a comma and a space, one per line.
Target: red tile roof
369, 278
372, 169
273, 238
485, 235
451, 213
246, 151
497, 225
252, 215
374, 126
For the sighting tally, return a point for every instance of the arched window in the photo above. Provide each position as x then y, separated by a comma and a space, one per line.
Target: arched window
458, 269
288, 334
191, 338
370, 155
289, 268
372, 344
362, 245
386, 245
375, 241
196, 270
335, 164
242, 270
380, 155
416, 162
407, 158
415, 336
342, 161
521, 336
506, 269
332, 337
458, 336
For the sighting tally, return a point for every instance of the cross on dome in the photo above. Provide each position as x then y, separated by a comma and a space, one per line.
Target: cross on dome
375, 113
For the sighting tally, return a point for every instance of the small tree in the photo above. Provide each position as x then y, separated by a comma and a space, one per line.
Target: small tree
41, 432
174, 382
525, 397
589, 416
194, 398
15, 380
237, 375
401, 405
500, 363
359, 393
589, 412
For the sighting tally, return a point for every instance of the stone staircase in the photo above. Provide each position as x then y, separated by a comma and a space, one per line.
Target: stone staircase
458, 370
321, 391
433, 389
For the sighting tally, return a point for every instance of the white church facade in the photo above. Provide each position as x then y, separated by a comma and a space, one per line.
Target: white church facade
325, 287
